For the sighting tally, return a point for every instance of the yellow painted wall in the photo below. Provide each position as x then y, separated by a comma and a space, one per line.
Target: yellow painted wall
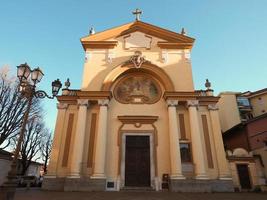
263, 153
178, 67
259, 105
228, 110
97, 67
63, 171
158, 109
212, 172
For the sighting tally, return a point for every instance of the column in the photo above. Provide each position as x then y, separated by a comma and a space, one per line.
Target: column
56, 147
176, 165
223, 166
197, 141
77, 153
101, 138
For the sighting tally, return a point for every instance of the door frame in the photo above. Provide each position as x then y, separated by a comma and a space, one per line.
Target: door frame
123, 154
249, 176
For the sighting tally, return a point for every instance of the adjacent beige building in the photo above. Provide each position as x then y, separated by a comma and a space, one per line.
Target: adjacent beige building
243, 119
237, 107
138, 118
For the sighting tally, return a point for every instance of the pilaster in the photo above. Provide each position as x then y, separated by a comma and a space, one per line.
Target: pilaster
53, 163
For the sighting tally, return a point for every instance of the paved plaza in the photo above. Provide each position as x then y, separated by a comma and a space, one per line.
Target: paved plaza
135, 195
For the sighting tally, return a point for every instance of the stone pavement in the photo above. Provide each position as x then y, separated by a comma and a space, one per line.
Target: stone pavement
134, 195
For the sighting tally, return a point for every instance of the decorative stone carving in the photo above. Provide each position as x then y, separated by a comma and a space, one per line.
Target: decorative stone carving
62, 105
213, 107
83, 102
137, 89
172, 102
137, 59
110, 56
192, 103
103, 102
164, 56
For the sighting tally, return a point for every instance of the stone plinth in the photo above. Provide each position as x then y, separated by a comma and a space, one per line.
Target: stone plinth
74, 184
195, 185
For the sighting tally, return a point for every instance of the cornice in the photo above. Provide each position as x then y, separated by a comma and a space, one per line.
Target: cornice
191, 95
74, 95
94, 95
133, 119
207, 100
143, 27
174, 45
99, 44
180, 95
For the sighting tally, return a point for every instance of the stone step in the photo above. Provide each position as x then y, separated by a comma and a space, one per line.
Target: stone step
137, 189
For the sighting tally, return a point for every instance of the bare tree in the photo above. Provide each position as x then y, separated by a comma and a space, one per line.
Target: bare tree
12, 108
33, 138
46, 148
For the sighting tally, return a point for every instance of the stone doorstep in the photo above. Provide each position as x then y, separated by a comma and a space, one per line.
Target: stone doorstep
141, 189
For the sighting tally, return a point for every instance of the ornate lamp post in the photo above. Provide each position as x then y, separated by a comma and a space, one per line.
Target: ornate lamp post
28, 80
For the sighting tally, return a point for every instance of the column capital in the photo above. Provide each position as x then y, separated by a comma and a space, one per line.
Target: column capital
192, 103
213, 107
82, 102
172, 102
62, 106
103, 102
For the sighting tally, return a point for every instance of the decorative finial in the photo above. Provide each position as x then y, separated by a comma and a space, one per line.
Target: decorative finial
183, 31
92, 31
207, 84
67, 83
137, 14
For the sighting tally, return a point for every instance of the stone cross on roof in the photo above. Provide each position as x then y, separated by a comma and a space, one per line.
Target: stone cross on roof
137, 14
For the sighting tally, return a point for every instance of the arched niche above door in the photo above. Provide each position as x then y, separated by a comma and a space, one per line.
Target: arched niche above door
137, 88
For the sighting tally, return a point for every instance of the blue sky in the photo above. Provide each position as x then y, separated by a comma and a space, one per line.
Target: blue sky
230, 47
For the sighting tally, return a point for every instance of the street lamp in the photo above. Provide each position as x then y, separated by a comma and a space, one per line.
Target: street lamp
27, 87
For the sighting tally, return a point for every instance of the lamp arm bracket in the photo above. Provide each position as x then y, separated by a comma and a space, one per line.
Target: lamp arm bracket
42, 94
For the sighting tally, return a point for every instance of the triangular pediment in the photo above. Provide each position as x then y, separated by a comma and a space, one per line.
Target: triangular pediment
169, 37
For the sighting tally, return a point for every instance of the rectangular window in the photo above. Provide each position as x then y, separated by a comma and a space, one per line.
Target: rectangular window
185, 152
243, 102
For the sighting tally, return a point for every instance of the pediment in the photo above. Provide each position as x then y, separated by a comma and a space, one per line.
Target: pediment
138, 29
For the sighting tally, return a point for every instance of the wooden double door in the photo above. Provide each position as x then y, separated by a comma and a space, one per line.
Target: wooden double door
137, 161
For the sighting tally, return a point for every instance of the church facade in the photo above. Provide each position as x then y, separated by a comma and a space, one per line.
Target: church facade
137, 121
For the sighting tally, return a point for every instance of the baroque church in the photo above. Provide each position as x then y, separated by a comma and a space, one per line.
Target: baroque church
137, 121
